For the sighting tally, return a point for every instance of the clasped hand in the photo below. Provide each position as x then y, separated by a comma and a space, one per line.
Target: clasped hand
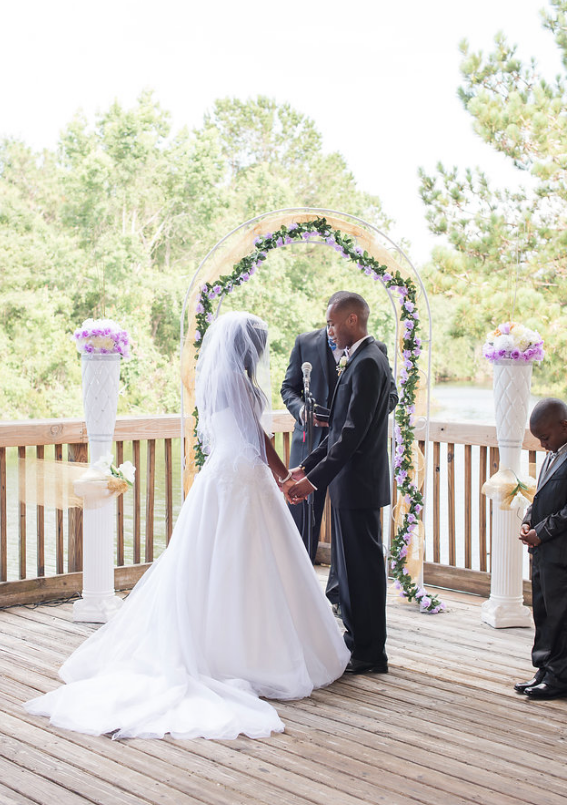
529, 537
298, 487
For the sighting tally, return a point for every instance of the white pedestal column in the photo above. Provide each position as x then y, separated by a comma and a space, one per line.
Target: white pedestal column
505, 606
100, 376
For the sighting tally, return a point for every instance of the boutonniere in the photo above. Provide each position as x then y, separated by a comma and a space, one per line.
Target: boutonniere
341, 365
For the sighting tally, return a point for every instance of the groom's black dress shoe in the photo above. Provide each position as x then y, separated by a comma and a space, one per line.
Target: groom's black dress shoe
363, 667
521, 687
545, 691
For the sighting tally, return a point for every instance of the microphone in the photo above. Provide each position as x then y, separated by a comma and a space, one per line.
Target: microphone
306, 370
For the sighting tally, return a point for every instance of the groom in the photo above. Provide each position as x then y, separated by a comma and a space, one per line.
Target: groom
352, 460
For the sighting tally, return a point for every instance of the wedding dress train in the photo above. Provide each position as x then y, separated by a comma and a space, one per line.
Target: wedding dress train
232, 611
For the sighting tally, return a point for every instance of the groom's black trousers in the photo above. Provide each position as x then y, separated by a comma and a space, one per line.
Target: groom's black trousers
361, 581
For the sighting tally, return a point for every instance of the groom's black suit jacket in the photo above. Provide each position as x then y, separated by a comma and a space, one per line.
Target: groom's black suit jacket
353, 460
313, 348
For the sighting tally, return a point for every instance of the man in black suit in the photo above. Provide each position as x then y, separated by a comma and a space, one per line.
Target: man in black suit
544, 531
353, 462
310, 348
315, 348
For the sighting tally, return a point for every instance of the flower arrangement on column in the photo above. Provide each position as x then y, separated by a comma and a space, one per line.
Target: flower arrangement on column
320, 231
512, 348
101, 343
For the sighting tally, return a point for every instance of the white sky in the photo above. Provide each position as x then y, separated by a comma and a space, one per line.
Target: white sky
379, 79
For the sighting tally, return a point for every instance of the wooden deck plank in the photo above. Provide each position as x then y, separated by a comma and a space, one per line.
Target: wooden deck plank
444, 726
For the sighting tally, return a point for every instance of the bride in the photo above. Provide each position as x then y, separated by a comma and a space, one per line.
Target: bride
232, 611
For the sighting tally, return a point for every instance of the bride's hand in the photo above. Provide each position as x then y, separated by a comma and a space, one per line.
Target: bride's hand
298, 473
286, 487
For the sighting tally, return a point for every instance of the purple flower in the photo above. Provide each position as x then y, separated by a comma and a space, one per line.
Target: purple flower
418, 508
367, 270
425, 601
421, 592
515, 354
397, 462
403, 376
411, 518
198, 336
306, 235
504, 328
292, 227
209, 318
408, 364
89, 348
401, 475
359, 250
397, 584
403, 552
387, 277
288, 240
331, 240
245, 276
268, 236
211, 295
199, 308
405, 572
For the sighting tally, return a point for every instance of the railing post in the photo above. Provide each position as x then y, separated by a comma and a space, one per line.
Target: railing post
75, 452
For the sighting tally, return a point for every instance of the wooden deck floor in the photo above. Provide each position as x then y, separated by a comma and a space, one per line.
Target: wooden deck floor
444, 727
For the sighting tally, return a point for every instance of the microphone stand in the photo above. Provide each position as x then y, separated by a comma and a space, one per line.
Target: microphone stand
309, 437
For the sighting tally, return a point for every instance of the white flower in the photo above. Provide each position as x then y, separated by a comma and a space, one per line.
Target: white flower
504, 342
127, 469
519, 501
104, 464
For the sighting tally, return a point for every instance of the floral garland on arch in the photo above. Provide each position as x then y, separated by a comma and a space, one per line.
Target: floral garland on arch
320, 231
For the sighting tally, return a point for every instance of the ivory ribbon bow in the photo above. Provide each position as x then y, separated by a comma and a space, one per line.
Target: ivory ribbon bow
508, 490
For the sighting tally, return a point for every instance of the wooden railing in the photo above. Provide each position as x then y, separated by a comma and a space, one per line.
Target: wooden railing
41, 550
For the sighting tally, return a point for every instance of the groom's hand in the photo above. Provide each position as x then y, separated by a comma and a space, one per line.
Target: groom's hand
301, 490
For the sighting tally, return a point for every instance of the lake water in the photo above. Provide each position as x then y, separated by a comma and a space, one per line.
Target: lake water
449, 402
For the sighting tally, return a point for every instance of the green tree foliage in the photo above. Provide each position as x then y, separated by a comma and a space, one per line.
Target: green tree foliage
115, 222
508, 255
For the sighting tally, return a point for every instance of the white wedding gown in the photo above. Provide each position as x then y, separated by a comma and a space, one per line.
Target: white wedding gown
231, 611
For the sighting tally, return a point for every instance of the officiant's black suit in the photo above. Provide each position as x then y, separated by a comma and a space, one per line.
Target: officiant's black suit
548, 516
353, 462
313, 348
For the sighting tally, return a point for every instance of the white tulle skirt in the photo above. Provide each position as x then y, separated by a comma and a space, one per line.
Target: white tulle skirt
232, 611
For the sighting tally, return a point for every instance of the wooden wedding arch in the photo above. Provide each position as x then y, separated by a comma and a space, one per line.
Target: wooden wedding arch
246, 249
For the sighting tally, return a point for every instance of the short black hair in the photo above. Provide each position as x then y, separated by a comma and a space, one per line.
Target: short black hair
549, 408
352, 302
